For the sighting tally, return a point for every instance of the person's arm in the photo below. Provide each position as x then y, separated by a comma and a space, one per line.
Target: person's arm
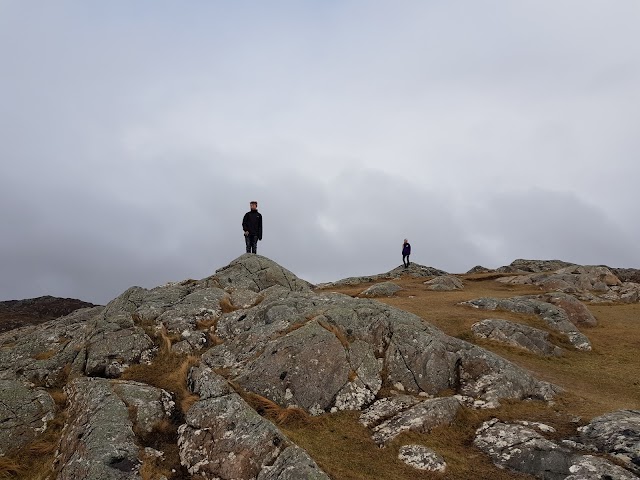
245, 226
260, 228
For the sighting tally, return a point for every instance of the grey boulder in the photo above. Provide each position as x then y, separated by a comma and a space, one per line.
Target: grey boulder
256, 273
326, 352
616, 433
520, 448
516, 335
555, 317
384, 289
445, 283
422, 458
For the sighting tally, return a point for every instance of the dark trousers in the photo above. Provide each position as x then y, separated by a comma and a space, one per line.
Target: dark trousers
405, 262
252, 243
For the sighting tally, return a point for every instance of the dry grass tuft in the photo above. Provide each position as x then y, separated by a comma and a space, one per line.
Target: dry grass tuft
59, 397
9, 468
337, 332
227, 306
168, 371
207, 323
282, 416
45, 355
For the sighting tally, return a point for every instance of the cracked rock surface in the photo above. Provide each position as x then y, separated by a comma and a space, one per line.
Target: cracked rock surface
616, 433
24, 412
422, 458
99, 441
223, 437
521, 448
326, 351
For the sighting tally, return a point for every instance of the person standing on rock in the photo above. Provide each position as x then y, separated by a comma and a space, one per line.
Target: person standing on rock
252, 226
406, 251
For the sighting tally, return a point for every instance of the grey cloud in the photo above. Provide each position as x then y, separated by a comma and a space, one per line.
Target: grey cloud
132, 136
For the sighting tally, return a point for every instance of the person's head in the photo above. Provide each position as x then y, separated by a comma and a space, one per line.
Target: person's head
253, 205
406, 241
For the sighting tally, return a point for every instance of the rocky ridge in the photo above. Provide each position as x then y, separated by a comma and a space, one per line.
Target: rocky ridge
255, 327
33, 311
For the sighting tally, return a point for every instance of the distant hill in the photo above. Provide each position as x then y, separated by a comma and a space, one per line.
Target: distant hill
33, 311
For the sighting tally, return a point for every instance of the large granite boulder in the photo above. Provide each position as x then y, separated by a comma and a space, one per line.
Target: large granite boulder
327, 352
555, 317
521, 448
224, 438
525, 265
517, 335
576, 311
445, 283
479, 269
616, 433
256, 273
414, 270
24, 414
383, 289
99, 442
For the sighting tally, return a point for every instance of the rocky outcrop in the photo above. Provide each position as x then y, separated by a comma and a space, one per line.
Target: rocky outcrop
422, 458
517, 335
327, 352
46, 354
256, 273
616, 433
99, 440
414, 270
270, 335
384, 289
24, 414
224, 438
524, 265
588, 283
445, 283
555, 317
521, 448
479, 269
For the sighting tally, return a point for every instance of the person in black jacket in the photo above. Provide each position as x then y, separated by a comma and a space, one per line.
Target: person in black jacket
406, 251
252, 226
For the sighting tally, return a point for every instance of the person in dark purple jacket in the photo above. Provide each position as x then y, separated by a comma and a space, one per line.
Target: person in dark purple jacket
406, 251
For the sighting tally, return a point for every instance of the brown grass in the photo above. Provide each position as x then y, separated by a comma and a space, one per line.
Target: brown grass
9, 468
227, 306
336, 331
34, 461
45, 355
168, 371
282, 416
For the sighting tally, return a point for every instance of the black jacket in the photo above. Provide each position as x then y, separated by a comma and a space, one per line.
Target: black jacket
252, 223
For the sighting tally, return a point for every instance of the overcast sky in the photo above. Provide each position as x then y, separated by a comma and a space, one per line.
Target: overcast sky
134, 133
